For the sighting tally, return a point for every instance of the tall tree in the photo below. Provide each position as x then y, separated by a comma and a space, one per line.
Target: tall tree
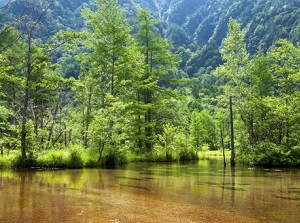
109, 65
235, 57
285, 58
151, 86
234, 72
33, 82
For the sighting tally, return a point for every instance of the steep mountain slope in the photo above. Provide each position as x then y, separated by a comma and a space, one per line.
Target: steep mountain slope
264, 21
61, 15
196, 25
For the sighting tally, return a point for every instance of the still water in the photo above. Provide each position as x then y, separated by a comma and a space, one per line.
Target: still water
191, 192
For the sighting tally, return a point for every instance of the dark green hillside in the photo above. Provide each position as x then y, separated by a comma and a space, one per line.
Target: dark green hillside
188, 23
264, 22
207, 19
195, 23
61, 15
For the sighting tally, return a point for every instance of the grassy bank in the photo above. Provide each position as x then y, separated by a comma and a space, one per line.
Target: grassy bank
56, 158
77, 157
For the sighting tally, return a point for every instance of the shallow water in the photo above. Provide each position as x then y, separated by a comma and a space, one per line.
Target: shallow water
190, 192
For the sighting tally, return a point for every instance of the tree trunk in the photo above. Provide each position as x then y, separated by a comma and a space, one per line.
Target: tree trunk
53, 121
223, 146
232, 158
87, 123
26, 99
24, 122
101, 148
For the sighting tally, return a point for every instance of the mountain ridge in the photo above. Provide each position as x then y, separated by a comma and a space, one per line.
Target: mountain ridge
194, 24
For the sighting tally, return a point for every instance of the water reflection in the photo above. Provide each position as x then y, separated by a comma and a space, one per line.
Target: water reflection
232, 169
189, 192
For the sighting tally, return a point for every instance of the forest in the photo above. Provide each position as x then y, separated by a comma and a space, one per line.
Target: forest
106, 82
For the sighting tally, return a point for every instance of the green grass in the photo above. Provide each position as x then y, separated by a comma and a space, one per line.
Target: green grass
56, 158
8, 160
77, 157
205, 155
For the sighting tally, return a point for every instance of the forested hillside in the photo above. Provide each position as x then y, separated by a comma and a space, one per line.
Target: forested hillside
197, 25
105, 82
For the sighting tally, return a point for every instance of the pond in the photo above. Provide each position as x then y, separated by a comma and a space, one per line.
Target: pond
151, 192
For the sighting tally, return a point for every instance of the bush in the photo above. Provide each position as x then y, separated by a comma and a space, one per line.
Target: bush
186, 155
75, 159
294, 155
266, 153
113, 157
7, 160
90, 157
29, 161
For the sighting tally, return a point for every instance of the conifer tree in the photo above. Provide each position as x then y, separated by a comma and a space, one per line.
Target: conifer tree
109, 68
151, 87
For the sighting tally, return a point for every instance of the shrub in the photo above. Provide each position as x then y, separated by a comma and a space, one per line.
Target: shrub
75, 159
53, 159
266, 153
187, 155
8, 160
114, 156
20, 162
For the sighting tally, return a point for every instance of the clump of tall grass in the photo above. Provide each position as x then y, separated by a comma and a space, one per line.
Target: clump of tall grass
7, 160
53, 159
62, 158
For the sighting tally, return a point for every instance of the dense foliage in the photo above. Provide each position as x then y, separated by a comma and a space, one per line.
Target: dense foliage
100, 83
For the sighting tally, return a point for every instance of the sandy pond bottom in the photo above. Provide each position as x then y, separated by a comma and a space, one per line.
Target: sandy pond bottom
198, 192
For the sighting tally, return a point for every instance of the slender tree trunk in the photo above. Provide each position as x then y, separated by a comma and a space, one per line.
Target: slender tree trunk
87, 123
232, 158
1, 146
53, 121
287, 131
29, 68
65, 135
101, 148
83, 126
26, 98
70, 136
148, 119
42, 125
24, 122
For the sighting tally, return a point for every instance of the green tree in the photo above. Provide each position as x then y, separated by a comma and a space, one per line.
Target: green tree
272, 111
235, 57
285, 58
33, 84
110, 65
234, 73
262, 81
202, 130
151, 84
110, 140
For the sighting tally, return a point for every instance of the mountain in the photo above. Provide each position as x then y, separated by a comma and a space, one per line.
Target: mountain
196, 27
263, 20
3, 2
61, 15
200, 26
